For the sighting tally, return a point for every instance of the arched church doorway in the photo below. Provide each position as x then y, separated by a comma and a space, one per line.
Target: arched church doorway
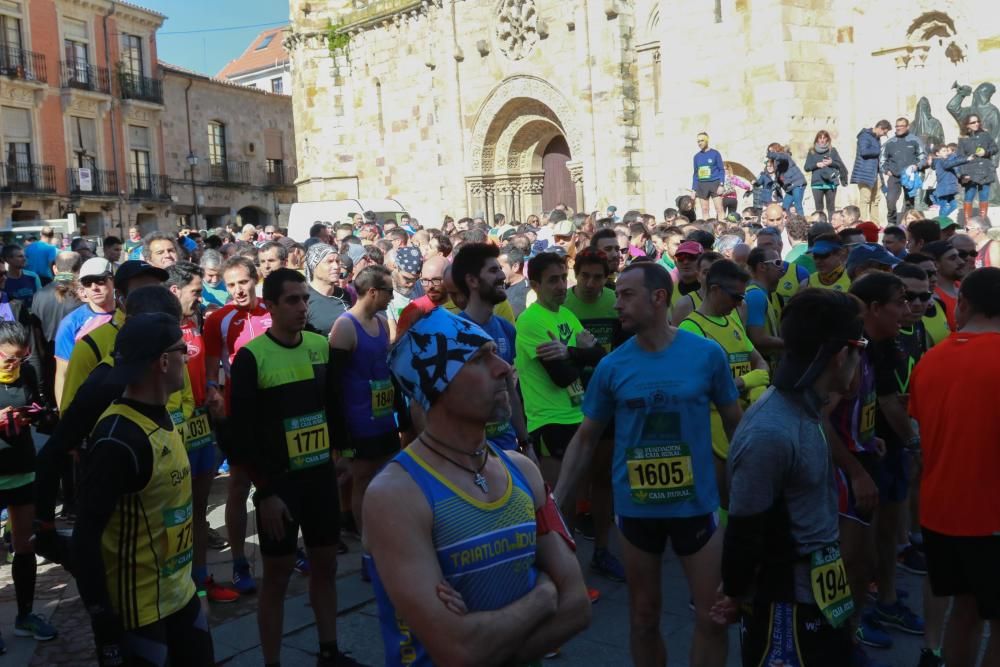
557, 184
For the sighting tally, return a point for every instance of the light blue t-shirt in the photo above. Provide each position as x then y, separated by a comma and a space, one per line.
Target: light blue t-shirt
660, 401
502, 332
40, 256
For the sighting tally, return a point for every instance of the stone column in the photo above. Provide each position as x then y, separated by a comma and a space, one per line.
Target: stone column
576, 175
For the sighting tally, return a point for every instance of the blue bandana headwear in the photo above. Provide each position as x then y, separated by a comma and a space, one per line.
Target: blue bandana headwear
431, 353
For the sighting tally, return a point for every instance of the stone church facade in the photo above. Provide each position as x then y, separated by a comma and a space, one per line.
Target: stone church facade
512, 106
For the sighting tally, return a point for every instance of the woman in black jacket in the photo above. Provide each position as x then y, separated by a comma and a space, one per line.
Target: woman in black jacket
828, 171
980, 173
18, 401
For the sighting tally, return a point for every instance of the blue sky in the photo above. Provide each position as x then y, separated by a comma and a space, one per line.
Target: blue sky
208, 52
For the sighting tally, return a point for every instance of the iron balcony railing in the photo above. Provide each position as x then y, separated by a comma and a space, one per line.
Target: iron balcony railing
279, 175
22, 64
229, 172
148, 186
81, 75
101, 182
28, 178
137, 87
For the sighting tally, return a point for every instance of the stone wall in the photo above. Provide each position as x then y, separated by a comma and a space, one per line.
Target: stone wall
447, 105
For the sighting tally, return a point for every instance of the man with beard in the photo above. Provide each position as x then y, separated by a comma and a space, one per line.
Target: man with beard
478, 276
406, 264
658, 387
686, 259
951, 269
432, 281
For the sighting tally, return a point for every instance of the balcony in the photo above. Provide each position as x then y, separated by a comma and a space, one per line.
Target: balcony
21, 64
27, 178
142, 88
81, 76
103, 183
150, 187
279, 176
230, 173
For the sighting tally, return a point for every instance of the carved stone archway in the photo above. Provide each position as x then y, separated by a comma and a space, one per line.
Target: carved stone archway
515, 124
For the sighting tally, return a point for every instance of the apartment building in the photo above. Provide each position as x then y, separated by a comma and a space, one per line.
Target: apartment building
230, 151
81, 111
264, 64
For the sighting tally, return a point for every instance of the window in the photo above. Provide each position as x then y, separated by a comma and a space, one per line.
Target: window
84, 141
17, 144
266, 42
138, 158
132, 55
277, 85
10, 43
75, 50
217, 150
276, 172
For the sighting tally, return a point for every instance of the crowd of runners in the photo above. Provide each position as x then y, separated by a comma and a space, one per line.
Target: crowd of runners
797, 406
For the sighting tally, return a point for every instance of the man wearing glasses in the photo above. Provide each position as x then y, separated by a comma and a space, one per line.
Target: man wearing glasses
828, 253
432, 275
99, 307
988, 250
407, 268
952, 268
763, 319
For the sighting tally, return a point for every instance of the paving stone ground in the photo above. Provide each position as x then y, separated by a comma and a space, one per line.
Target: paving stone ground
604, 644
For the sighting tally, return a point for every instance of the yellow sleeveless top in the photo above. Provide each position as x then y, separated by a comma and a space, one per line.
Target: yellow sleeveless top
842, 284
148, 543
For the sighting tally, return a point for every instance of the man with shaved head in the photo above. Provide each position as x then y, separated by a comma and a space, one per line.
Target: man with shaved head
432, 279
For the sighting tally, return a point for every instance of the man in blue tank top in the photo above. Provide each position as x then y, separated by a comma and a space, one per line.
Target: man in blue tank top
470, 560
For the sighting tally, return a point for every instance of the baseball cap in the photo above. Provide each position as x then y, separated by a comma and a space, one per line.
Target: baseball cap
355, 251
563, 228
824, 247
95, 266
431, 353
871, 252
689, 248
134, 268
869, 229
945, 222
141, 340
408, 259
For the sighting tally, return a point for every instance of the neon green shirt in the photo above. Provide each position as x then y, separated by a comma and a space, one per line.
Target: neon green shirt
544, 402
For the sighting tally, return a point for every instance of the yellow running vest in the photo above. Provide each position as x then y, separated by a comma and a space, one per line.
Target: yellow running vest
936, 324
772, 323
842, 284
788, 286
148, 543
734, 341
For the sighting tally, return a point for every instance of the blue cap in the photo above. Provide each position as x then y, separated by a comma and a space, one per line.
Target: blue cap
431, 353
871, 252
824, 247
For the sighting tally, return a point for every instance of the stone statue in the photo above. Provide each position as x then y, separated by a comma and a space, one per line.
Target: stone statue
926, 126
988, 114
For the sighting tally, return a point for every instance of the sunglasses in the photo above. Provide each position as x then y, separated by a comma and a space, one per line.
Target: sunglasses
821, 255
91, 281
918, 296
15, 359
776, 263
179, 347
965, 254
738, 297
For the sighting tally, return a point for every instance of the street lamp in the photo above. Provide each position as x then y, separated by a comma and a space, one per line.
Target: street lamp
193, 162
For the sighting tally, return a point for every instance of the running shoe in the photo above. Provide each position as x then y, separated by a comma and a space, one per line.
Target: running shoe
870, 633
242, 579
301, 562
215, 540
929, 659
911, 560
605, 564
34, 625
900, 617
859, 658
585, 526
593, 594
216, 592
3, 647
342, 548
342, 659
554, 653
3, 515
224, 467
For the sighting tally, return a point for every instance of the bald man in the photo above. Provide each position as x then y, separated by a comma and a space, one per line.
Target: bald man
432, 279
706, 181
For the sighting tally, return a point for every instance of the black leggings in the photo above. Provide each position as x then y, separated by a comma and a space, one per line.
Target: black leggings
183, 638
827, 196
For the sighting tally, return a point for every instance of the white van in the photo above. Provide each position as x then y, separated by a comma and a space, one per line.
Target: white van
305, 214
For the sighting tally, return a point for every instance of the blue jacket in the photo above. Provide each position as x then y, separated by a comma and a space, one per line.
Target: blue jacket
766, 190
869, 149
711, 159
947, 179
789, 174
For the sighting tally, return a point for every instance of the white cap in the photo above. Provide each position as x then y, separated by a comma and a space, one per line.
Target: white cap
96, 266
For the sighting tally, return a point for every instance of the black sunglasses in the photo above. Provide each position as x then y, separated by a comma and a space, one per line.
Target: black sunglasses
965, 254
821, 255
918, 296
89, 281
738, 297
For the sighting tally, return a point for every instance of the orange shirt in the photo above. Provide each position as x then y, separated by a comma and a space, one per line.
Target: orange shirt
949, 306
954, 398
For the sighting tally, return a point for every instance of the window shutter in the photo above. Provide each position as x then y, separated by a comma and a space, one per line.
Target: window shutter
272, 145
16, 124
138, 137
75, 30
